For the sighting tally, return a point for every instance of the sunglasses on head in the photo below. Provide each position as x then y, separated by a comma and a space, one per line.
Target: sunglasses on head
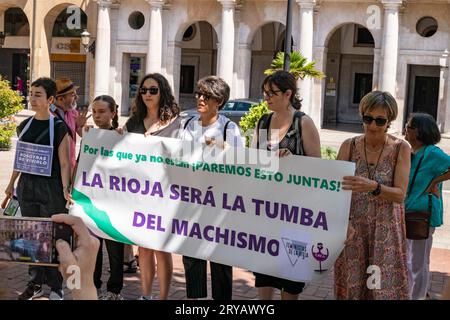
378, 121
206, 96
152, 90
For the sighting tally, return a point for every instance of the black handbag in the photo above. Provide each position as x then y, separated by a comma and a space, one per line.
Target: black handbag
418, 222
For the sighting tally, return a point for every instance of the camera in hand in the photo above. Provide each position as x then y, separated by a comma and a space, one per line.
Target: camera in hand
32, 240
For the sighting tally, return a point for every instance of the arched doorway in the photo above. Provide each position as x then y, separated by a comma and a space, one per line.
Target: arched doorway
349, 70
14, 64
67, 55
198, 59
268, 40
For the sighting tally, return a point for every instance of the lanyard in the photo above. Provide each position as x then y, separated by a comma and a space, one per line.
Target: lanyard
51, 129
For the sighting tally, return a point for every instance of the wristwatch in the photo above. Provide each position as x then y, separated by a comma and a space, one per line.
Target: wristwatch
377, 191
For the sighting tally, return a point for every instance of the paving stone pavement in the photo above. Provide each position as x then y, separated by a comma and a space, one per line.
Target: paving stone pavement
14, 278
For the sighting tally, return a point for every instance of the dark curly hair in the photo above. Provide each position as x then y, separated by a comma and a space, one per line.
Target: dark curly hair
168, 108
284, 81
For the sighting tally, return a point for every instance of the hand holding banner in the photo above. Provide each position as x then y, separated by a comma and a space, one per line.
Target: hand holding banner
162, 193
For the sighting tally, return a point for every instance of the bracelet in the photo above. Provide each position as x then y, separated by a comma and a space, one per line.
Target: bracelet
377, 191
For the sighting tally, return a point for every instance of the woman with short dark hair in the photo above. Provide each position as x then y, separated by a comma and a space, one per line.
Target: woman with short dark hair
210, 127
432, 166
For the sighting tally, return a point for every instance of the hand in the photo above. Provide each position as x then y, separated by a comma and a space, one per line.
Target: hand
120, 131
433, 188
284, 152
82, 118
87, 127
84, 256
68, 195
9, 191
359, 184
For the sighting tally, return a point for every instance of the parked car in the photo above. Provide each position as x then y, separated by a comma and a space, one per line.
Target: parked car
233, 109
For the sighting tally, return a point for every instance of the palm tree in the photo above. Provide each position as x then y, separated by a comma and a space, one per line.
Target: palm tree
300, 67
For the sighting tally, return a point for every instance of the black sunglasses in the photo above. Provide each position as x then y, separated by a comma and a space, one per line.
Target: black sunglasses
206, 96
153, 90
378, 121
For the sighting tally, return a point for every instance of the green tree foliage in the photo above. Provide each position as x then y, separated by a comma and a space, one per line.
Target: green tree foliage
10, 104
300, 67
249, 121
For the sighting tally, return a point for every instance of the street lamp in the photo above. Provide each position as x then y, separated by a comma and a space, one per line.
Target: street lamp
2, 39
85, 39
288, 39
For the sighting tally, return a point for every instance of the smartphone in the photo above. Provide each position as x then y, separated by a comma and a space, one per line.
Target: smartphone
11, 206
32, 240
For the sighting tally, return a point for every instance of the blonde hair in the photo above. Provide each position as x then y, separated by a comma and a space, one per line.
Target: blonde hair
379, 99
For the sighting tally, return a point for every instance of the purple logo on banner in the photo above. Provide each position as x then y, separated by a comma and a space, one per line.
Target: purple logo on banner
33, 158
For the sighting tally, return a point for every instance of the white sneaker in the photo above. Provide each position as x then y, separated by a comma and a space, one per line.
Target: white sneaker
56, 295
110, 296
145, 298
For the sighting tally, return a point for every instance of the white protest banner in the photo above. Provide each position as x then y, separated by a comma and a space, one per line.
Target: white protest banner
151, 191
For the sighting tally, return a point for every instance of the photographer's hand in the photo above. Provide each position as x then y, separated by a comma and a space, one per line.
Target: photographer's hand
84, 256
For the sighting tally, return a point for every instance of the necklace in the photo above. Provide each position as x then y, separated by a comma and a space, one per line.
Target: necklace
375, 151
371, 174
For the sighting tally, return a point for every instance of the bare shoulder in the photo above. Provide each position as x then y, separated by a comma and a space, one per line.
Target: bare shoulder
402, 144
344, 150
306, 120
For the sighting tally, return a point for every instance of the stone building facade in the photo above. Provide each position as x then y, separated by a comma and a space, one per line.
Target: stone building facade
393, 45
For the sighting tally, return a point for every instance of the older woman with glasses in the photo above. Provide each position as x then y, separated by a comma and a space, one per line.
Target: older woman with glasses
429, 168
210, 127
155, 112
372, 264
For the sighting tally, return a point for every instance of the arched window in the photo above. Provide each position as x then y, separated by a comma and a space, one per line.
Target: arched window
16, 23
66, 23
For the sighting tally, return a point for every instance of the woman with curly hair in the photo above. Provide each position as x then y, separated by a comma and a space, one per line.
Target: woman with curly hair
155, 112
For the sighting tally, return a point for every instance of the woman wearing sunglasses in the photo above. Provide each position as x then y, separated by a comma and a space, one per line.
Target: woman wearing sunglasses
155, 112
432, 166
376, 231
210, 127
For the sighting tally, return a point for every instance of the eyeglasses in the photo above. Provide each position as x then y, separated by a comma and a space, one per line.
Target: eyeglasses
378, 121
152, 90
270, 94
206, 96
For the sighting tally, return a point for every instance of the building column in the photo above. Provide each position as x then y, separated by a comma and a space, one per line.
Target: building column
2, 20
103, 48
305, 45
443, 115
389, 49
154, 51
174, 68
227, 36
243, 67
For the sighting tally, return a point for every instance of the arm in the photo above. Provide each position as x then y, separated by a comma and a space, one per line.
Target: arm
433, 188
63, 154
9, 191
396, 193
344, 151
310, 137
